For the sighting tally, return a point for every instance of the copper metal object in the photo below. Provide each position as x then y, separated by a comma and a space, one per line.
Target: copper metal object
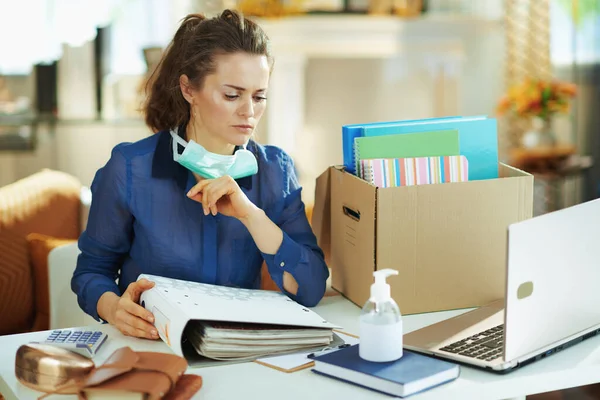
45, 367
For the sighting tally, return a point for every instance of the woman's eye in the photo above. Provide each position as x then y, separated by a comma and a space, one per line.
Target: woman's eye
231, 96
259, 98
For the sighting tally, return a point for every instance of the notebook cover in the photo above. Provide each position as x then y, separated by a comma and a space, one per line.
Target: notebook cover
377, 390
352, 131
422, 144
392, 172
478, 140
411, 367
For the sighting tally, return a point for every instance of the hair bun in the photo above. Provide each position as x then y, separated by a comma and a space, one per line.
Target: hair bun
231, 15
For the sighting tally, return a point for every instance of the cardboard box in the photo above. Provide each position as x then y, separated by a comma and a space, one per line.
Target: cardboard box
447, 241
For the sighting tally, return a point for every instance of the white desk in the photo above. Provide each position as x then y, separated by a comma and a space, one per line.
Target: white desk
576, 366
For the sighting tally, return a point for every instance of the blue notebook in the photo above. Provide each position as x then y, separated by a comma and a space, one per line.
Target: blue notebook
478, 140
413, 373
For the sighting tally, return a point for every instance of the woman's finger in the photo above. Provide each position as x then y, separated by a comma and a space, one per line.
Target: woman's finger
198, 187
142, 328
137, 310
209, 198
197, 197
133, 331
136, 288
213, 209
204, 200
214, 193
225, 186
212, 196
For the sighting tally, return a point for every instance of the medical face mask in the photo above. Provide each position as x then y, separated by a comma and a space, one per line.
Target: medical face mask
210, 165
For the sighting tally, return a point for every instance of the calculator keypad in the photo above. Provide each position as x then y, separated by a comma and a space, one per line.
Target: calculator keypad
83, 342
78, 337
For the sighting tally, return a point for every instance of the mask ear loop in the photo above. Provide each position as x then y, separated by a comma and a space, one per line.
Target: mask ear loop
177, 140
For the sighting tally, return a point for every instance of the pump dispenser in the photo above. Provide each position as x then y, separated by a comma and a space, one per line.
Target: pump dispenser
381, 323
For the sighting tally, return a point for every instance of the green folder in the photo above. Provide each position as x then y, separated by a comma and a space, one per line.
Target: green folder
421, 144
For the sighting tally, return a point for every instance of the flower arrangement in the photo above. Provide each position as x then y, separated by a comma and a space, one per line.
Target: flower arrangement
537, 98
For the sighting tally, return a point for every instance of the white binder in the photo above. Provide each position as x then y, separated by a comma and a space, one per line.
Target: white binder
176, 302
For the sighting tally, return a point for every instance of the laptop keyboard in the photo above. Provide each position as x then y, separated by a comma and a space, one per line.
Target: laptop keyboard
487, 345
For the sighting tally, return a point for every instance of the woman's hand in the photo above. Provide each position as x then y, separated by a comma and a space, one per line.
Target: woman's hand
126, 314
222, 195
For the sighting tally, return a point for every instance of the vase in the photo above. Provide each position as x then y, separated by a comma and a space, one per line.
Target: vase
541, 134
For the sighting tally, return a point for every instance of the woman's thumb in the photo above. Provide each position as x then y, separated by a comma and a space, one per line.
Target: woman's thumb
138, 287
145, 283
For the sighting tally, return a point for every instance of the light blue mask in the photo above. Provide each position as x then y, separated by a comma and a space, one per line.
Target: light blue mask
210, 165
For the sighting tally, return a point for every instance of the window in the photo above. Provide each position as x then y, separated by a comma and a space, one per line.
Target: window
574, 39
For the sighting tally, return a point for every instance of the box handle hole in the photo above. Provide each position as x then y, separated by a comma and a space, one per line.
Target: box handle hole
355, 215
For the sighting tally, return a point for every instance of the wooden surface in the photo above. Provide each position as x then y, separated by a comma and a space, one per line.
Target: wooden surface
542, 159
590, 392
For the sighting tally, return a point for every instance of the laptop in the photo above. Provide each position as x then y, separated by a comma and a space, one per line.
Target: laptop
551, 300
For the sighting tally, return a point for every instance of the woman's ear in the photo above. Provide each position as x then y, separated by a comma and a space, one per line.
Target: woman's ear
186, 88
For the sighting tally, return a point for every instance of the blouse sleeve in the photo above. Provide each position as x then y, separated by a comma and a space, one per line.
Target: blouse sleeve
107, 238
299, 253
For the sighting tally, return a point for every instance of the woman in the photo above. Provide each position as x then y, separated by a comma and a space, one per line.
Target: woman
198, 200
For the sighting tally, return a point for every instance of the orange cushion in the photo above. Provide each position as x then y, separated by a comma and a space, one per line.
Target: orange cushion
39, 248
16, 284
46, 202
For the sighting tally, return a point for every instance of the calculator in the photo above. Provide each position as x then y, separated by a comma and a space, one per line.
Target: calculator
83, 342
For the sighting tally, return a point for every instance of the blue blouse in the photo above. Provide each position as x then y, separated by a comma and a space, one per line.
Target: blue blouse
141, 221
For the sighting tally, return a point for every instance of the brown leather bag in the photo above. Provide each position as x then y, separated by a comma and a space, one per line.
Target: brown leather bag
156, 375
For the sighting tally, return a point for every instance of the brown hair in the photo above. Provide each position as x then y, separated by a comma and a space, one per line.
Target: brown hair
191, 52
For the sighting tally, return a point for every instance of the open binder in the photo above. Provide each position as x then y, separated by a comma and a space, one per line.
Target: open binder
175, 303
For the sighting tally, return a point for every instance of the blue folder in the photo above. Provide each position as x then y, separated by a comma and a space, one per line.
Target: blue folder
478, 140
352, 131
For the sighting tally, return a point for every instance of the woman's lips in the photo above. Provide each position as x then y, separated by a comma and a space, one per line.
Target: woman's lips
244, 128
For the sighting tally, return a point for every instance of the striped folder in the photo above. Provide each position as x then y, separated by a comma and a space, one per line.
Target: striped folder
391, 172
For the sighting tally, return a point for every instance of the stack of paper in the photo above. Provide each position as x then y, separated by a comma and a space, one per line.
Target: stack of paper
300, 360
246, 341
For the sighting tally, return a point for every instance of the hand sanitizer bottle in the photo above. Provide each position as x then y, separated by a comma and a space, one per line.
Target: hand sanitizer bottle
380, 323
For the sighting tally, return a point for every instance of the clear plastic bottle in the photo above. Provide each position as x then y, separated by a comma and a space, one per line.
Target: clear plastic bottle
381, 323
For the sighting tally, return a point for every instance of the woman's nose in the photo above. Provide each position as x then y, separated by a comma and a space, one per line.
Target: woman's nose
247, 109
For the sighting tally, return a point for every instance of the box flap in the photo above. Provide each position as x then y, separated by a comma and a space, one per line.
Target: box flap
321, 216
506, 171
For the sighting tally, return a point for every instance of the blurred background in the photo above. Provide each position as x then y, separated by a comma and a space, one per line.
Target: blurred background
72, 75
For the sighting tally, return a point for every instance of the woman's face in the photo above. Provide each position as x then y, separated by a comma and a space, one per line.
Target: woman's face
229, 105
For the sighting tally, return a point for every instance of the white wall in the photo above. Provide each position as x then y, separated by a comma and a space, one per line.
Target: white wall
345, 91
83, 148
338, 91
77, 148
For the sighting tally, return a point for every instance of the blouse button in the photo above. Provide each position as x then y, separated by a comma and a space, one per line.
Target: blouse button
282, 264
